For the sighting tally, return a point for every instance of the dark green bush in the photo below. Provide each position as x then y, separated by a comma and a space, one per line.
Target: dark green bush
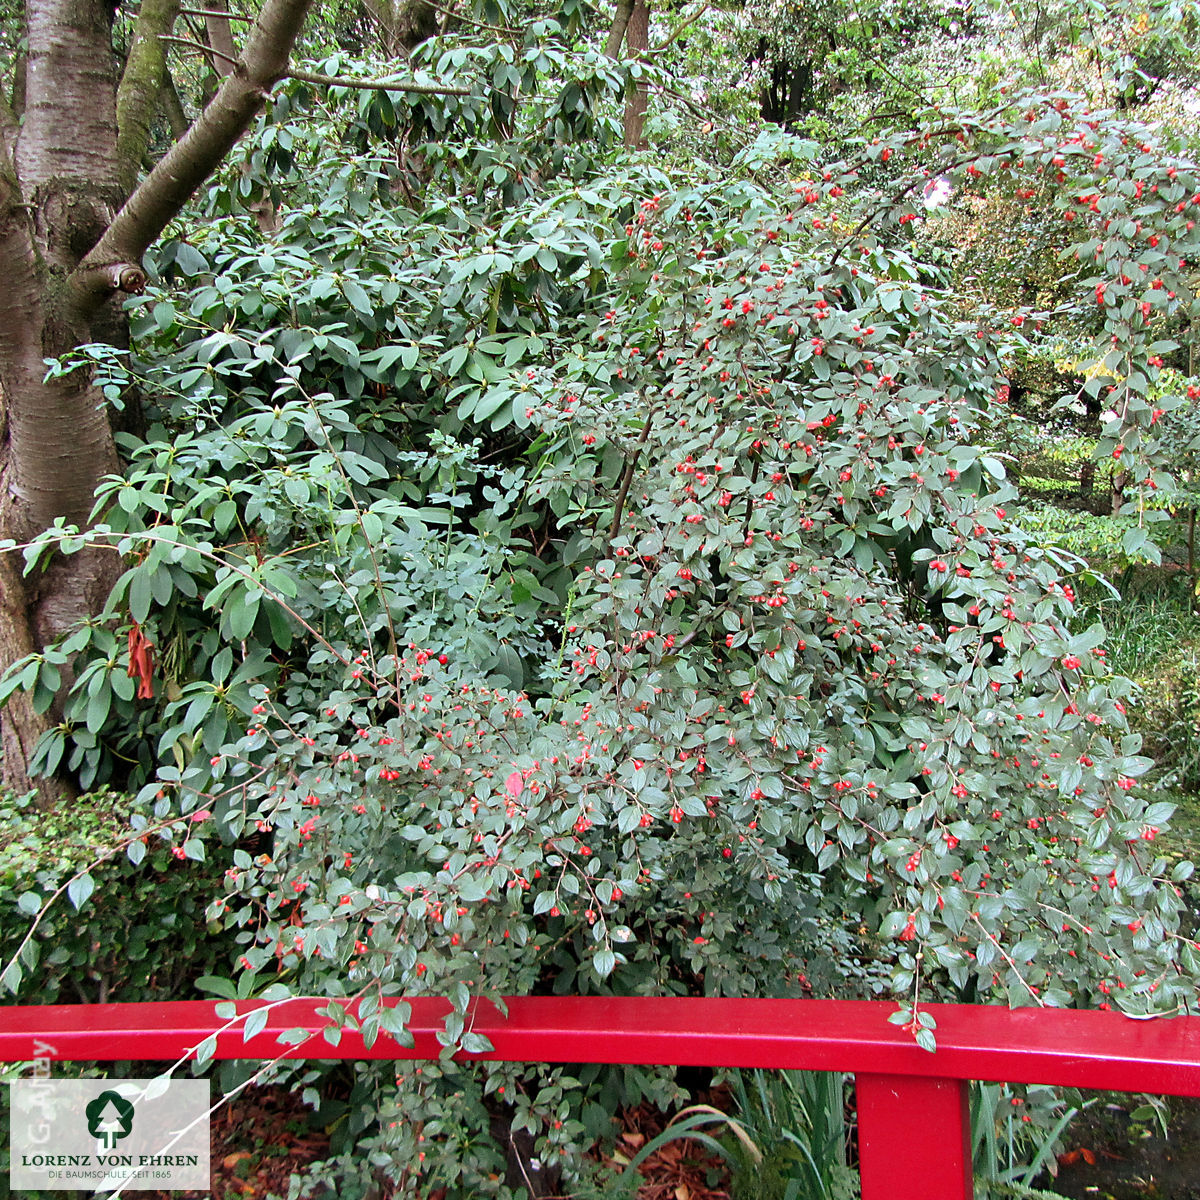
142, 934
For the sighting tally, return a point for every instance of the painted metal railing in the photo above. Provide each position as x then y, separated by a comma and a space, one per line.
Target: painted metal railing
913, 1127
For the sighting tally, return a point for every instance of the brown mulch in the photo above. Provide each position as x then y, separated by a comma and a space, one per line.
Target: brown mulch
680, 1170
259, 1140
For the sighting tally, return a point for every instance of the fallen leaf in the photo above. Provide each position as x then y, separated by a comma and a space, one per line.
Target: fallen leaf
231, 1160
1073, 1156
682, 1192
634, 1139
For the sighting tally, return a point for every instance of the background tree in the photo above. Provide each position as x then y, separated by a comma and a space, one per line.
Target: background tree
75, 225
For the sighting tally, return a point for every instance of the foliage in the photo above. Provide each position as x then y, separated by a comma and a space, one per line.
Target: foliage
796, 1120
1095, 540
1171, 717
1015, 1134
553, 570
670, 636
144, 936
1153, 634
1151, 618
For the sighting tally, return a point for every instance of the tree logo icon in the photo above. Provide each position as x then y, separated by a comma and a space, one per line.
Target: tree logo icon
109, 1118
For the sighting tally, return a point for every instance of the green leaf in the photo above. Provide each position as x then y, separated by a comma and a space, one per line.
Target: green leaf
240, 614
11, 979
359, 300
189, 260
79, 889
255, 1022
217, 986
140, 595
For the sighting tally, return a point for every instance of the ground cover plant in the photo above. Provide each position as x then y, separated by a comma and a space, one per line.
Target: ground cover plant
542, 568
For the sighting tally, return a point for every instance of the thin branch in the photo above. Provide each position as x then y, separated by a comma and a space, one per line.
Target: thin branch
681, 27
215, 12
892, 201
626, 480
379, 85
452, 15
206, 50
708, 119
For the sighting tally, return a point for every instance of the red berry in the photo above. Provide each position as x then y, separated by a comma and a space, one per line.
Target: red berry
443, 659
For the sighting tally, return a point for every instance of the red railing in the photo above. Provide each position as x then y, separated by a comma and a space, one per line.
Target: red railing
913, 1130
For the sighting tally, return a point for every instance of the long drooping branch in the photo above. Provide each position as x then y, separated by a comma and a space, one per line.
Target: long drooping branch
114, 264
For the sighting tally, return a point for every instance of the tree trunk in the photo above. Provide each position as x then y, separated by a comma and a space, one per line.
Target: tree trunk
637, 42
70, 248
68, 190
1087, 480
21, 727
142, 85
1119, 480
402, 24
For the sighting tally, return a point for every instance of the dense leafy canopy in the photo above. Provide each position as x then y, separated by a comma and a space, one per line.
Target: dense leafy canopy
550, 567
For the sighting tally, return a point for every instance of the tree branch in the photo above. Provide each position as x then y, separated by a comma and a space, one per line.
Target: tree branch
227, 60
216, 12
172, 107
379, 85
141, 85
116, 257
454, 16
626, 480
681, 27
220, 38
616, 33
